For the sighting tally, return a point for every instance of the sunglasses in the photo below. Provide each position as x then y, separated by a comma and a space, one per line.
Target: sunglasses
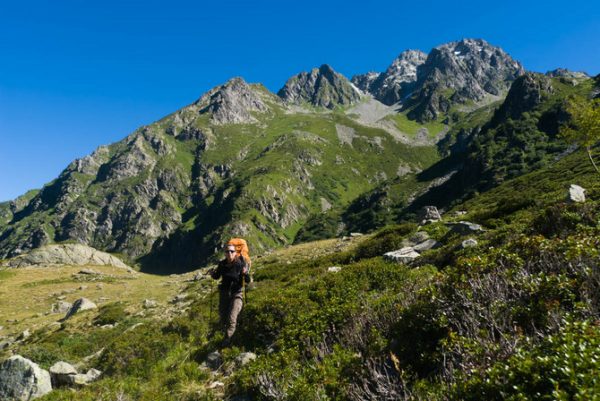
228, 251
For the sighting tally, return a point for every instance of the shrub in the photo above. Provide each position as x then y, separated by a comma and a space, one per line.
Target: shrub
110, 314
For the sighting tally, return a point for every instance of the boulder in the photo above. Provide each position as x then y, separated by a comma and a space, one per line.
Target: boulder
80, 305
65, 254
22, 380
429, 214
334, 269
149, 303
427, 245
465, 228
61, 307
404, 255
468, 243
576, 194
60, 373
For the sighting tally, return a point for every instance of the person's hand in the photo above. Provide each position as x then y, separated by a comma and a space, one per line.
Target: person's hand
245, 270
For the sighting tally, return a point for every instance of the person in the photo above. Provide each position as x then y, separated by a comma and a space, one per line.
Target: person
234, 272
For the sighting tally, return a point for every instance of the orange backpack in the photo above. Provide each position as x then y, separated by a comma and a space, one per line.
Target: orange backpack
241, 247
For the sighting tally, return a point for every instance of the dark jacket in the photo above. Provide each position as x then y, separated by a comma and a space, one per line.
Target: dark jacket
231, 274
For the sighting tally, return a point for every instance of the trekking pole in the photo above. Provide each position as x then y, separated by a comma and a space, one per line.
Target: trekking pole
211, 302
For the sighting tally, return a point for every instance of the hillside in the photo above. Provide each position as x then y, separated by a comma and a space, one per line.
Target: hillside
459, 322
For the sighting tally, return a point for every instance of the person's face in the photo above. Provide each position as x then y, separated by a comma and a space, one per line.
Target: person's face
230, 253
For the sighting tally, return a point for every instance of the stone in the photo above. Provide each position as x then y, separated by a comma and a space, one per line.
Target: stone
61, 307
576, 194
21, 379
180, 298
214, 360
404, 255
419, 237
215, 384
465, 228
245, 358
88, 271
468, 243
429, 214
60, 373
66, 254
354, 235
24, 335
149, 303
427, 245
5, 343
80, 305
334, 269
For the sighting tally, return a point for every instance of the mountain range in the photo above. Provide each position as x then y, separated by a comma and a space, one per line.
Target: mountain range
323, 157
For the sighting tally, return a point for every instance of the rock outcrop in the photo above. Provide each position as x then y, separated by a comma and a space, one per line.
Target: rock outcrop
65, 254
80, 305
526, 92
23, 380
321, 87
232, 103
395, 83
457, 72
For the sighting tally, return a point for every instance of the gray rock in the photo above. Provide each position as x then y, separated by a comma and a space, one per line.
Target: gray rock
22, 380
6, 342
244, 358
24, 335
429, 214
334, 269
576, 194
396, 82
465, 228
419, 237
427, 245
404, 255
60, 373
322, 87
65, 254
469, 243
149, 303
214, 360
80, 305
232, 103
180, 298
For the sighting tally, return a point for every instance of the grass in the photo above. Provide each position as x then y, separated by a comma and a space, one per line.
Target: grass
412, 127
40, 287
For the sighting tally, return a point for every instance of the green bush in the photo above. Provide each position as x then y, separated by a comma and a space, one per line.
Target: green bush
563, 366
111, 313
386, 240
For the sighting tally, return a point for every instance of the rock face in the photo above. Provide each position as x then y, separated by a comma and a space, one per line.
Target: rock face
22, 380
395, 83
322, 87
66, 254
565, 73
457, 72
465, 228
527, 92
429, 214
232, 103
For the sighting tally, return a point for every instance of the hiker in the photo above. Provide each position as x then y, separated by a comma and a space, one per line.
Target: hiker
234, 273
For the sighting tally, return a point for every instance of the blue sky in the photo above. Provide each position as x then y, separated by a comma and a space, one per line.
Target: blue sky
78, 74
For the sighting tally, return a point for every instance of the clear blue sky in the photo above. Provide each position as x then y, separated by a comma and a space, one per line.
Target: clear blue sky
78, 74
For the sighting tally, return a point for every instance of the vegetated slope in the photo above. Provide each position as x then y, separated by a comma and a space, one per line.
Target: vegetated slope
501, 319
483, 148
237, 162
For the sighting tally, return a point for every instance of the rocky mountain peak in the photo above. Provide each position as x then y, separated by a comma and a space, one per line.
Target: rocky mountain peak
322, 87
565, 73
525, 94
232, 103
392, 85
457, 72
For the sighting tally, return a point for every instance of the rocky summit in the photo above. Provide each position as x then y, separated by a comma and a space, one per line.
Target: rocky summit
322, 87
395, 83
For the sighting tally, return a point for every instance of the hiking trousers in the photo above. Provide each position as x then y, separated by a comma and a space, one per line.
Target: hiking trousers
230, 306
